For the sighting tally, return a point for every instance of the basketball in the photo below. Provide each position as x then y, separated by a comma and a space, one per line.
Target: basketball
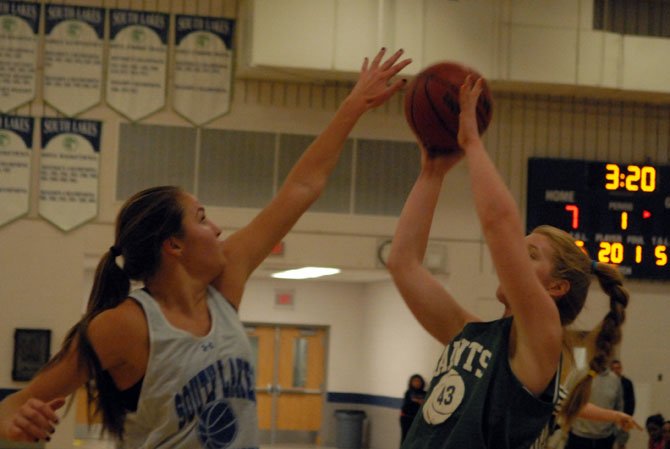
432, 107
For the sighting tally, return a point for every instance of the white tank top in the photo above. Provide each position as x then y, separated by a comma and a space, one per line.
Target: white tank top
197, 392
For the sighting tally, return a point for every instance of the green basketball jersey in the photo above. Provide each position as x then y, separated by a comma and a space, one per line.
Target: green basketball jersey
475, 401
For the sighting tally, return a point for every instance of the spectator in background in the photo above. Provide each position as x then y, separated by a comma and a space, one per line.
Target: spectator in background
606, 392
621, 436
414, 397
654, 427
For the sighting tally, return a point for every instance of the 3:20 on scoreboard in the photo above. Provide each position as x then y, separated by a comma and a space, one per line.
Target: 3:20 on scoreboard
619, 213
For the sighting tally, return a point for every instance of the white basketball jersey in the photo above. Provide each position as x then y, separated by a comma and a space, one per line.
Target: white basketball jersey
198, 392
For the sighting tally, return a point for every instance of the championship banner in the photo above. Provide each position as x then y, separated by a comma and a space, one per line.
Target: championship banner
69, 166
203, 67
137, 60
16, 142
73, 54
19, 23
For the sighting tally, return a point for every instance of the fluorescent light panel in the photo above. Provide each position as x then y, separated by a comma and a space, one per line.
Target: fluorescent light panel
305, 273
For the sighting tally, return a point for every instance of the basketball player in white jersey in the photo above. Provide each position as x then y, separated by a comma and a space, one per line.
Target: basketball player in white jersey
170, 365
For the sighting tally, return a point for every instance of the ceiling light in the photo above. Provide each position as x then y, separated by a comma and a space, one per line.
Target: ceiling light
305, 273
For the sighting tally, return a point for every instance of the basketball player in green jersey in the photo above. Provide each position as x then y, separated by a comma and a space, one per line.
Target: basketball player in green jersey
496, 382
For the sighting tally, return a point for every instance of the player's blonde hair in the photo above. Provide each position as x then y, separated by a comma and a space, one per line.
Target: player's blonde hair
574, 265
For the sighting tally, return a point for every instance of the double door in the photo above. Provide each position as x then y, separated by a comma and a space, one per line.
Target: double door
290, 381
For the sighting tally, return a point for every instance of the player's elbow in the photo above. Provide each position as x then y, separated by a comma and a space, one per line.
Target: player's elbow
400, 264
393, 265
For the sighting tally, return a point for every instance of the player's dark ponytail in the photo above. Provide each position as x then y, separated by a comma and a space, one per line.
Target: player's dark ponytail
145, 221
609, 335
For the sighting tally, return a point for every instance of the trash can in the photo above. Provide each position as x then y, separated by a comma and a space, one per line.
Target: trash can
349, 429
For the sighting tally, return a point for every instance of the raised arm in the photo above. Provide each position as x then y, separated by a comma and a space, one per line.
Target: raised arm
429, 301
246, 248
537, 328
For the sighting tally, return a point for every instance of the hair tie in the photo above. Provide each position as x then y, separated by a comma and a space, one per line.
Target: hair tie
115, 251
592, 373
594, 266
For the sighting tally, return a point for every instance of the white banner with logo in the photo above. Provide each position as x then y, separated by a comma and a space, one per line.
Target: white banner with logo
16, 142
73, 56
19, 24
69, 167
137, 61
203, 67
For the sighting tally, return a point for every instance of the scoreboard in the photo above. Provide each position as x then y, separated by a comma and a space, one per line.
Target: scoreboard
619, 213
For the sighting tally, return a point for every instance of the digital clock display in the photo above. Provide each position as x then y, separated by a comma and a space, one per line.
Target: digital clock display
619, 213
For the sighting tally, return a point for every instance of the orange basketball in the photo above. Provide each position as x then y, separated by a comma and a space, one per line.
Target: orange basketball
432, 107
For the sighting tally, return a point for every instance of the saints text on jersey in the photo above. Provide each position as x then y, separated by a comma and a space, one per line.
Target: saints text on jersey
459, 357
469, 355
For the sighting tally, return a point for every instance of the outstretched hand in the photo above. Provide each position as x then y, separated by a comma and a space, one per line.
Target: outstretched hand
35, 420
374, 84
468, 131
626, 422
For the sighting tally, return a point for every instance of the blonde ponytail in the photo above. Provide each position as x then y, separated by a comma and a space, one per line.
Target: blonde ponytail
609, 335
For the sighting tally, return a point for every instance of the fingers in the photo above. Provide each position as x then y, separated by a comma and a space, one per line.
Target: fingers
23, 429
375, 85
627, 423
392, 60
14, 433
378, 58
387, 92
389, 64
472, 85
399, 66
366, 61
56, 404
35, 420
471, 88
390, 68
51, 407
396, 86
478, 87
466, 87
